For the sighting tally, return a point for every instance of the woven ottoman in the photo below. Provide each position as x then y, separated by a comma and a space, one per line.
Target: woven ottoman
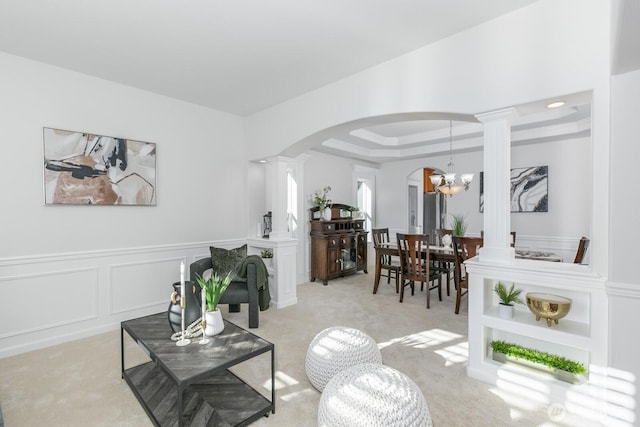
372, 395
338, 348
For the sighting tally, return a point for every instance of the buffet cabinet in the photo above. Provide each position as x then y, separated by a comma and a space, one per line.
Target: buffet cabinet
338, 244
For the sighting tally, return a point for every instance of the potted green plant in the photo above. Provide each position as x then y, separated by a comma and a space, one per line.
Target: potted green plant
214, 287
561, 368
458, 225
507, 298
267, 256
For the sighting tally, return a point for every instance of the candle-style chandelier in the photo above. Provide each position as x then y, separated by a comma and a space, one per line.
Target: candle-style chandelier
446, 183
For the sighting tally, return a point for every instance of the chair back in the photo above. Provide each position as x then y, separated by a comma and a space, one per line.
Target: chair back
513, 237
440, 232
582, 249
414, 256
463, 249
380, 235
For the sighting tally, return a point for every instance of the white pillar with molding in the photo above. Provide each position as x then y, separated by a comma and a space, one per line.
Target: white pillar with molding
497, 186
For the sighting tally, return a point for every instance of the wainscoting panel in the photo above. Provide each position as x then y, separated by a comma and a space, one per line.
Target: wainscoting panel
53, 298
33, 302
143, 284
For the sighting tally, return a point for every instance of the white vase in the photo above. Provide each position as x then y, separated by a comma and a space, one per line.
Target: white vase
506, 311
268, 262
326, 214
215, 324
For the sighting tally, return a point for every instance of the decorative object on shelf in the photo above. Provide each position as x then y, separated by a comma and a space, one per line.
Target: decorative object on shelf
507, 299
446, 240
266, 225
214, 288
548, 306
446, 183
458, 225
267, 256
561, 368
327, 213
322, 200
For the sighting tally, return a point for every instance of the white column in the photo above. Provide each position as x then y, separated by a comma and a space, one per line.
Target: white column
497, 186
277, 193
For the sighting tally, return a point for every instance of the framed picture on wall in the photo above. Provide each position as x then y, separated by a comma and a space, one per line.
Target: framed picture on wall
86, 169
529, 189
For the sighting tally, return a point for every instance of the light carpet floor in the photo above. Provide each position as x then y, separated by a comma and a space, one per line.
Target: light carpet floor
79, 383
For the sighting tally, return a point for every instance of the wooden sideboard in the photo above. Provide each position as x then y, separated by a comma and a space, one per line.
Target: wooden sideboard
338, 245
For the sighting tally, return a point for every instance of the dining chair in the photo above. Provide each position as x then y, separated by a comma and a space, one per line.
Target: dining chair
444, 267
463, 249
388, 263
582, 249
513, 237
414, 261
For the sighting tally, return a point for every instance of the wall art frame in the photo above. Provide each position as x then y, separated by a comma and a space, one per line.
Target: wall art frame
529, 189
81, 168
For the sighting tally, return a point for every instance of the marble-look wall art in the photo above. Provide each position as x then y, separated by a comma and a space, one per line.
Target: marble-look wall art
86, 169
529, 189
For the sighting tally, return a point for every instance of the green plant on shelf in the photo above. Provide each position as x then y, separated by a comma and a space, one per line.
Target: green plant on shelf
266, 253
508, 297
549, 360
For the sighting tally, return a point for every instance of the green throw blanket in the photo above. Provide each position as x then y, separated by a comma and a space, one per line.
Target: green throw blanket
262, 279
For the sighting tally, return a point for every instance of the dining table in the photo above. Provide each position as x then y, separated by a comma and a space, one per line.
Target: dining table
436, 253
538, 255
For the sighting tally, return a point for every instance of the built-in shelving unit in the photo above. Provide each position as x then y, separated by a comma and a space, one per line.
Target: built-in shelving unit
282, 268
580, 336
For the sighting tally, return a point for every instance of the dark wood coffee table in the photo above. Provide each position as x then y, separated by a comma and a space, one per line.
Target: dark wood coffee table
192, 385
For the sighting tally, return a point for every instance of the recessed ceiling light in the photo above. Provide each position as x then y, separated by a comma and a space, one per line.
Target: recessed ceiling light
556, 104
262, 161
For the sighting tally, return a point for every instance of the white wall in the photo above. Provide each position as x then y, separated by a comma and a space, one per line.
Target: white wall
624, 285
570, 189
546, 49
71, 271
542, 51
200, 164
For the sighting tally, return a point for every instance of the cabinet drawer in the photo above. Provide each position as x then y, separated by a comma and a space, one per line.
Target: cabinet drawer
333, 242
347, 241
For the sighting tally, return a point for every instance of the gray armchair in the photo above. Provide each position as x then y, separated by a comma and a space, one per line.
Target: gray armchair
240, 291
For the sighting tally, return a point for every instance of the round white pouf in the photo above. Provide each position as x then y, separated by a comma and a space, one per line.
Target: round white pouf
372, 395
338, 348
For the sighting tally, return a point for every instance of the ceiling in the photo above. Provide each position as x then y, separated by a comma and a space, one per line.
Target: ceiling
242, 56
239, 56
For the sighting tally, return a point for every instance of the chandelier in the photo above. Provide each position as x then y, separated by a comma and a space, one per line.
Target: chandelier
446, 183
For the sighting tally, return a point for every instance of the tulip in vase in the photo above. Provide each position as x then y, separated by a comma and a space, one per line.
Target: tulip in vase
214, 288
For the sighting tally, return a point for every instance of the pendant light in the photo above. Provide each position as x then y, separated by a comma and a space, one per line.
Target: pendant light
446, 183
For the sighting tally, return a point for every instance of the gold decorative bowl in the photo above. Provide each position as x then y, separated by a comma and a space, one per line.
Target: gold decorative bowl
548, 306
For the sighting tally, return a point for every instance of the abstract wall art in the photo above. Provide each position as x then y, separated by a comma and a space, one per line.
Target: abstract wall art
86, 169
529, 189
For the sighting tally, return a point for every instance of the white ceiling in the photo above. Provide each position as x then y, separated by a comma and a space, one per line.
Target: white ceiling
242, 56
239, 56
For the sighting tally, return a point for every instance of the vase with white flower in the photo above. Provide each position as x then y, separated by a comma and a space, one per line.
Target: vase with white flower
213, 288
323, 202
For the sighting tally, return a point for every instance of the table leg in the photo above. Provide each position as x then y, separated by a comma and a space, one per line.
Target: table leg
121, 352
